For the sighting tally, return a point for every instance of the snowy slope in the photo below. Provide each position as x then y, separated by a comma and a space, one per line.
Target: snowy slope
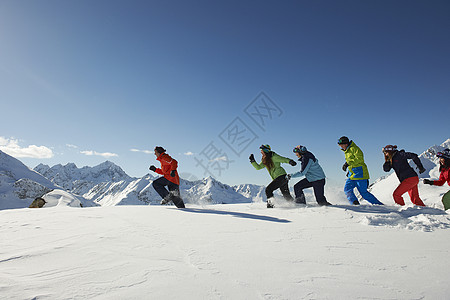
237, 251
431, 195
62, 198
19, 185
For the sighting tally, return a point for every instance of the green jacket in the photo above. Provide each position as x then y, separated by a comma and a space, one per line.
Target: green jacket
277, 170
357, 169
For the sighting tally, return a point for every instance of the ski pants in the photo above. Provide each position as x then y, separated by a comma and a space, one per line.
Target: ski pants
446, 200
408, 185
279, 183
174, 195
318, 186
362, 186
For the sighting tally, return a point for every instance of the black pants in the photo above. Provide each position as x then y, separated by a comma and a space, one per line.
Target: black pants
318, 186
174, 195
279, 183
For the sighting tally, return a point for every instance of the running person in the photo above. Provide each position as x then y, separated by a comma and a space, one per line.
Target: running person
170, 178
314, 177
444, 168
272, 162
398, 160
357, 173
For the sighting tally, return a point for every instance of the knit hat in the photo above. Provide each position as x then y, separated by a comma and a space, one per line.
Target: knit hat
444, 154
300, 149
343, 140
389, 148
160, 149
266, 148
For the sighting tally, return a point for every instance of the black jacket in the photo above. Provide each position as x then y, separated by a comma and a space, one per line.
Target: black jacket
401, 166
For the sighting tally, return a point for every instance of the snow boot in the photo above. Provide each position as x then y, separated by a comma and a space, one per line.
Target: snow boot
178, 202
300, 199
356, 202
166, 200
269, 203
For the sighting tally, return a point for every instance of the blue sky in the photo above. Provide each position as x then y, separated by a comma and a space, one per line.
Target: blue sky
86, 81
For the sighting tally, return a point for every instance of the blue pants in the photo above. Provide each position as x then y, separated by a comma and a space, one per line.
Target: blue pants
362, 186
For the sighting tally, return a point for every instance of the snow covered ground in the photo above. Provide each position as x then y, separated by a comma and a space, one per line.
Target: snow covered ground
234, 251
222, 251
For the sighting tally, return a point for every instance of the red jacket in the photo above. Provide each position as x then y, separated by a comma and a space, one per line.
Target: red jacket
167, 165
444, 177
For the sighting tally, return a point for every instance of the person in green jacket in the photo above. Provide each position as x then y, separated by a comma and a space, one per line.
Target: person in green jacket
357, 172
272, 162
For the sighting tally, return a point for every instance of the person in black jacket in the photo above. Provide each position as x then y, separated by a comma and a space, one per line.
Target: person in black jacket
398, 160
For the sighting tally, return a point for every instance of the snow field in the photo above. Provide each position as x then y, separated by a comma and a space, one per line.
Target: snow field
235, 251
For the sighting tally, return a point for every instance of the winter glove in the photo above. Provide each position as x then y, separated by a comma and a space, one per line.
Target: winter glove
152, 168
288, 176
172, 173
428, 181
252, 158
421, 170
292, 163
344, 167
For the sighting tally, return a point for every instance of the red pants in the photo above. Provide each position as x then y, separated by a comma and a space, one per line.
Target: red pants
408, 185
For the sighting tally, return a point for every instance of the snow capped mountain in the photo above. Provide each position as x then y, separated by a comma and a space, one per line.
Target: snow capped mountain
134, 192
211, 191
431, 195
251, 191
430, 154
82, 180
19, 185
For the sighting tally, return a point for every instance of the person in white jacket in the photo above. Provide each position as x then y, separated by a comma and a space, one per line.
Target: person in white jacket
314, 177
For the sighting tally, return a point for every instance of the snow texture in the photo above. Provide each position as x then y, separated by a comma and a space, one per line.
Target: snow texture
234, 251
217, 251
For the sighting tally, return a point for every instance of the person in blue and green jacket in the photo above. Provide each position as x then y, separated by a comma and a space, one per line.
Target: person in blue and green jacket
314, 177
272, 162
357, 173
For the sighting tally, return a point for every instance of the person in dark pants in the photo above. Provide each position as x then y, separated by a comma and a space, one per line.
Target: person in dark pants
398, 160
272, 162
315, 177
170, 178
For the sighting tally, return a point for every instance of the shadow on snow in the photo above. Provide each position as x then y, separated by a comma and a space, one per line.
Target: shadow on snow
236, 214
384, 209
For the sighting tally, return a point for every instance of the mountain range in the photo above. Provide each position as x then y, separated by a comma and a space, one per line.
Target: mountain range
107, 185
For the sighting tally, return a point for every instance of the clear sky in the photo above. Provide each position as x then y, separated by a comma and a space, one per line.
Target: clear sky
87, 81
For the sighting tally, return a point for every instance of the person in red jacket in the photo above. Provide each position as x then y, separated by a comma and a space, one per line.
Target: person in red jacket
444, 160
170, 178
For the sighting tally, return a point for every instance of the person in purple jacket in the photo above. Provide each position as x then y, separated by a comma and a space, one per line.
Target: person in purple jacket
398, 160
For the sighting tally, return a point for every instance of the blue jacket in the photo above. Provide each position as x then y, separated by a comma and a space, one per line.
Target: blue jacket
310, 168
